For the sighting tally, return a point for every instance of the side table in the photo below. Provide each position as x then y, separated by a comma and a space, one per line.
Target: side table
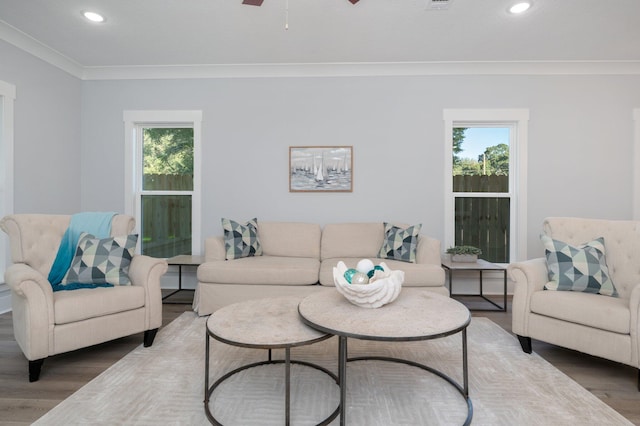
271, 323
415, 315
180, 261
480, 266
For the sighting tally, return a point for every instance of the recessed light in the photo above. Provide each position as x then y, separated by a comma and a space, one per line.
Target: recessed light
520, 7
93, 16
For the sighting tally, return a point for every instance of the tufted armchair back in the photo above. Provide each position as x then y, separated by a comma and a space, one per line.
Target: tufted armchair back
35, 238
621, 241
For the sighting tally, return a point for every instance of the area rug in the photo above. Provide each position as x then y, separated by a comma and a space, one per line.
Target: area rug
164, 384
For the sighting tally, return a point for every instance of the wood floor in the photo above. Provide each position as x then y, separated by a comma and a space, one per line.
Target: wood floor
22, 402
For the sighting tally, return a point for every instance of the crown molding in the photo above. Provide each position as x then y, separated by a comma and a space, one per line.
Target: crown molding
364, 69
373, 69
30, 45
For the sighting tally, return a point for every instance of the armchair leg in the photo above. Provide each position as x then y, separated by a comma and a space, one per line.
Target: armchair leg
34, 369
149, 335
525, 343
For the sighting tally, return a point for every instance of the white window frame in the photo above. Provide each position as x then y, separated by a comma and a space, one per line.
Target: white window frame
7, 98
133, 161
518, 121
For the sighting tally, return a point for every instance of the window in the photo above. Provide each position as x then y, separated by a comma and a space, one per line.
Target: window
485, 187
163, 180
7, 96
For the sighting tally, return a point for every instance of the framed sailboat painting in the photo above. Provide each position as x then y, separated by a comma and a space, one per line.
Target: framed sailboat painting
320, 169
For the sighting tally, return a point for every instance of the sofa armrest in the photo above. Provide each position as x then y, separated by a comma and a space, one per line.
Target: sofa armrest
428, 250
20, 275
529, 276
214, 249
146, 271
32, 304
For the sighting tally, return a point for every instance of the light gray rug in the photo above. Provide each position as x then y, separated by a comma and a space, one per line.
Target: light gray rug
164, 384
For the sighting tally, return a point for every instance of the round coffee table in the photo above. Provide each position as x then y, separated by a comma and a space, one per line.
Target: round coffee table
414, 315
271, 323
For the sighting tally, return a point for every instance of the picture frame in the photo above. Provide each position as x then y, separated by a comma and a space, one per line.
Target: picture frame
321, 169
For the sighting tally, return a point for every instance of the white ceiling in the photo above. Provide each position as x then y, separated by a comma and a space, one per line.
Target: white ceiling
143, 33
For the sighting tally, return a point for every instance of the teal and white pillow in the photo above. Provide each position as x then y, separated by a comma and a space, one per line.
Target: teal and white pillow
241, 240
101, 261
582, 268
399, 243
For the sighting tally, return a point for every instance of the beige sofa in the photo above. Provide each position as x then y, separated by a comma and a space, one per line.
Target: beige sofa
298, 259
595, 324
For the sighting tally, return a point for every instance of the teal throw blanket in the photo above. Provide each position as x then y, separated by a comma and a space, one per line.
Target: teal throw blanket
97, 224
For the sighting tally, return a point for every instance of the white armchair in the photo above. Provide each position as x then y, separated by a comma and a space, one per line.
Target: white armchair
47, 323
595, 324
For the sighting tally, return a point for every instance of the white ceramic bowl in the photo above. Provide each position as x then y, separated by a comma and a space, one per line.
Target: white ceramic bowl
385, 289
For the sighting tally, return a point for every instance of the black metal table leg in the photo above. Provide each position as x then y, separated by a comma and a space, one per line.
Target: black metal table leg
342, 377
206, 369
287, 392
465, 366
505, 291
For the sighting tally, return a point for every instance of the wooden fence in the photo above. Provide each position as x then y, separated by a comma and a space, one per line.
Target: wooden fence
483, 222
166, 219
480, 183
168, 182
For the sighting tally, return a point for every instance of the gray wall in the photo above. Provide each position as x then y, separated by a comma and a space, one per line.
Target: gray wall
69, 141
46, 133
580, 143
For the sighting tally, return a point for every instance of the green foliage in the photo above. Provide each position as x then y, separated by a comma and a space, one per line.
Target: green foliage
168, 151
464, 250
467, 166
458, 138
494, 160
497, 160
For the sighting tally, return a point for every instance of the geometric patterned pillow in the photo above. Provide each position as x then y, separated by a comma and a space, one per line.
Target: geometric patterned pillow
100, 262
241, 240
400, 244
583, 268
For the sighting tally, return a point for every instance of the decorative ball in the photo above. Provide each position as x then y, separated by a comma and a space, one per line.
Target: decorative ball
383, 288
364, 266
348, 274
360, 278
372, 272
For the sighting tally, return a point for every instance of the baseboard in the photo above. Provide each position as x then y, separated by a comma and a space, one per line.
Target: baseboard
5, 298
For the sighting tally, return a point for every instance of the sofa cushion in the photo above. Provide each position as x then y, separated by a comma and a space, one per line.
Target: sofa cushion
241, 240
578, 268
261, 270
292, 239
82, 304
415, 274
400, 243
100, 261
592, 310
362, 240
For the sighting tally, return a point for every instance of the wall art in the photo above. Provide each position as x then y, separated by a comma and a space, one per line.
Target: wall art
320, 169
